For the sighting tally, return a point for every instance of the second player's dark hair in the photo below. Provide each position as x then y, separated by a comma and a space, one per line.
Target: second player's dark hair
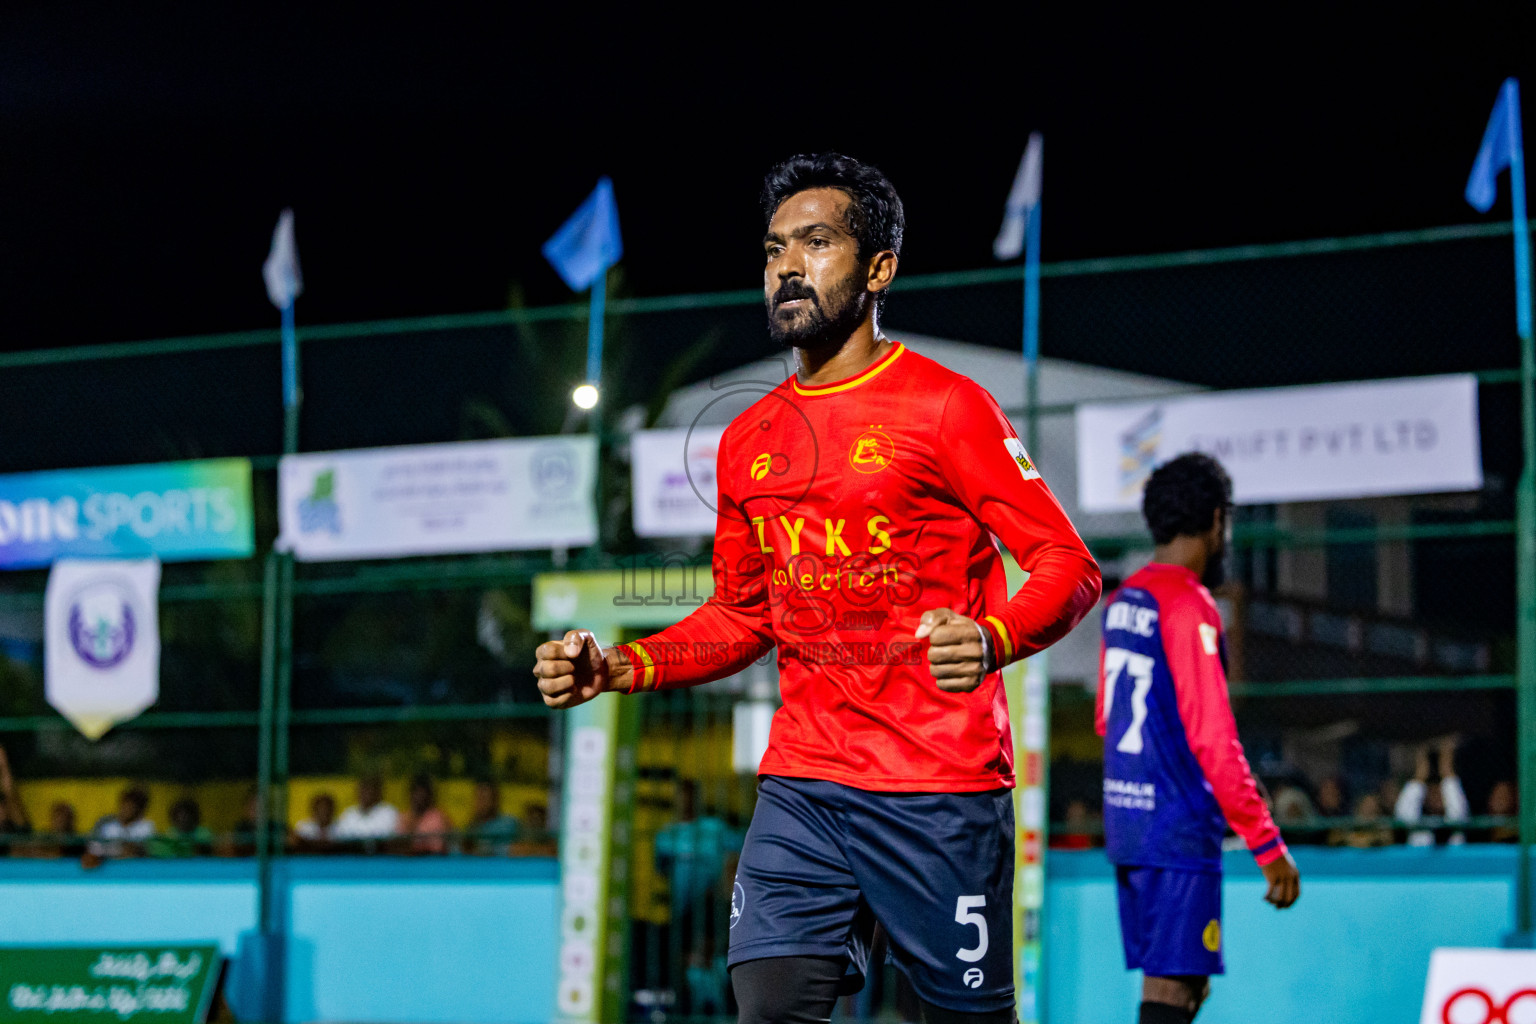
1183, 496
875, 215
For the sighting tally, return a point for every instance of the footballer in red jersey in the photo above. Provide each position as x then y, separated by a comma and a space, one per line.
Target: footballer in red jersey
862, 507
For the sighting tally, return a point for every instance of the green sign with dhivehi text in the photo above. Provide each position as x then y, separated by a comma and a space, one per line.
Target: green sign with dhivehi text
108, 983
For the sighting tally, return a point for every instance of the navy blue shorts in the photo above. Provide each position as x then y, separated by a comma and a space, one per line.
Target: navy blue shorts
1170, 921
823, 862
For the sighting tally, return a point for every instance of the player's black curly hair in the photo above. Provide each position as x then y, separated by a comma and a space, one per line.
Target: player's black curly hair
1183, 496
875, 215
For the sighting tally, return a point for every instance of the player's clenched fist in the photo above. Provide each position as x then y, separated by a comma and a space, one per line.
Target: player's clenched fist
1284, 881
575, 669
955, 652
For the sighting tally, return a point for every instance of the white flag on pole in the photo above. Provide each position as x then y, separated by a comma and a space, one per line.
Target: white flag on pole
1022, 198
281, 269
101, 654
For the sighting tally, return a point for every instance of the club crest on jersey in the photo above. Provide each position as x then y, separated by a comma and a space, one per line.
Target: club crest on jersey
1021, 458
872, 451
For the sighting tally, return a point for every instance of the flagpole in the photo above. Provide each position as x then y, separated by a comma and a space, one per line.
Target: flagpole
1032, 332
290, 381
595, 331
1525, 524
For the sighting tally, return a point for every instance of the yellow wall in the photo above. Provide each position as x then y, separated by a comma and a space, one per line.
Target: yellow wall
223, 801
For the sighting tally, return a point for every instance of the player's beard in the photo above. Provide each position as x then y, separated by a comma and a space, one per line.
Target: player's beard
827, 322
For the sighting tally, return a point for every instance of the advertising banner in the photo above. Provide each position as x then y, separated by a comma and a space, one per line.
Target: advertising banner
470, 496
674, 481
165, 984
1480, 985
101, 647
1416, 435
174, 511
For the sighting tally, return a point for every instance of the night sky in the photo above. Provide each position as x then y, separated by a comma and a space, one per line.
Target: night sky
144, 156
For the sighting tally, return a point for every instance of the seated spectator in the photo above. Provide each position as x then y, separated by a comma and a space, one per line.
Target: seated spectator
1333, 802
242, 841
424, 823
490, 833
1503, 802
13, 813
370, 818
534, 838
187, 836
1366, 836
1446, 800
1293, 806
317, 833
61, 839
1074, 835
123, 834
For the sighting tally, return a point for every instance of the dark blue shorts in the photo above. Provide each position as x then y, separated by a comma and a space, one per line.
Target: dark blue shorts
823, 862
1170, 921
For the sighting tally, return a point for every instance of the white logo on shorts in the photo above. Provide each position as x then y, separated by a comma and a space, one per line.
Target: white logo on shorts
973, 977
738, 902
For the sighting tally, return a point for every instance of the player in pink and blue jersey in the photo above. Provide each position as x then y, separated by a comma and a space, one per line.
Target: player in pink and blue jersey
1174, 772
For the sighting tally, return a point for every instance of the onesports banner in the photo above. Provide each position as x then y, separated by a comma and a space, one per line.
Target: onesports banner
101, 649
175, 511
674, 481
1416, 435
433, 499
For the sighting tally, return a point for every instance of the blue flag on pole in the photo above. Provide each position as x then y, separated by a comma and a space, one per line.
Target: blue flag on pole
1501, 141
589, 243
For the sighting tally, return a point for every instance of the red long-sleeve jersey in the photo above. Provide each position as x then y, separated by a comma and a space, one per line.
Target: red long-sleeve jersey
846, 510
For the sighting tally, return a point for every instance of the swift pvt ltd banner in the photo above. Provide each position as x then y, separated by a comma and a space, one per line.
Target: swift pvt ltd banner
469, 496
1416, 435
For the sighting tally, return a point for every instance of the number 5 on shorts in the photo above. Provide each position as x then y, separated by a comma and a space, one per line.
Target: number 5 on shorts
965, 915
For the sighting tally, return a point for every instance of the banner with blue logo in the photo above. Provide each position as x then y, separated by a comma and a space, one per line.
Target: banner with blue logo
174, 511
470, 496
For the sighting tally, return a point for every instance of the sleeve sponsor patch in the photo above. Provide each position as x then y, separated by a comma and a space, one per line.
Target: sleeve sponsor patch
1021, 457
1208, 637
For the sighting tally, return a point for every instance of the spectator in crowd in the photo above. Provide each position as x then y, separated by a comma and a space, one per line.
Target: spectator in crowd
123, 834
61, 839
369, 819
692, 851
534, 838
1447, 800
1503, 802
424, 823
1333, 802
14, 821
1292, 805
242, 841
490, 833
1366, 836
1077, 831
317, 833
187, 836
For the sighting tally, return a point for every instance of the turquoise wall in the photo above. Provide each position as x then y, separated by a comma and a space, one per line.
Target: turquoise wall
473, 940
1354, 948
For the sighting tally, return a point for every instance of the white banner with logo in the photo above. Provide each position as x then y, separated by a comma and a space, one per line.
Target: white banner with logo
500, 495
101, 650
674, 481
1416, 435
1478, 985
